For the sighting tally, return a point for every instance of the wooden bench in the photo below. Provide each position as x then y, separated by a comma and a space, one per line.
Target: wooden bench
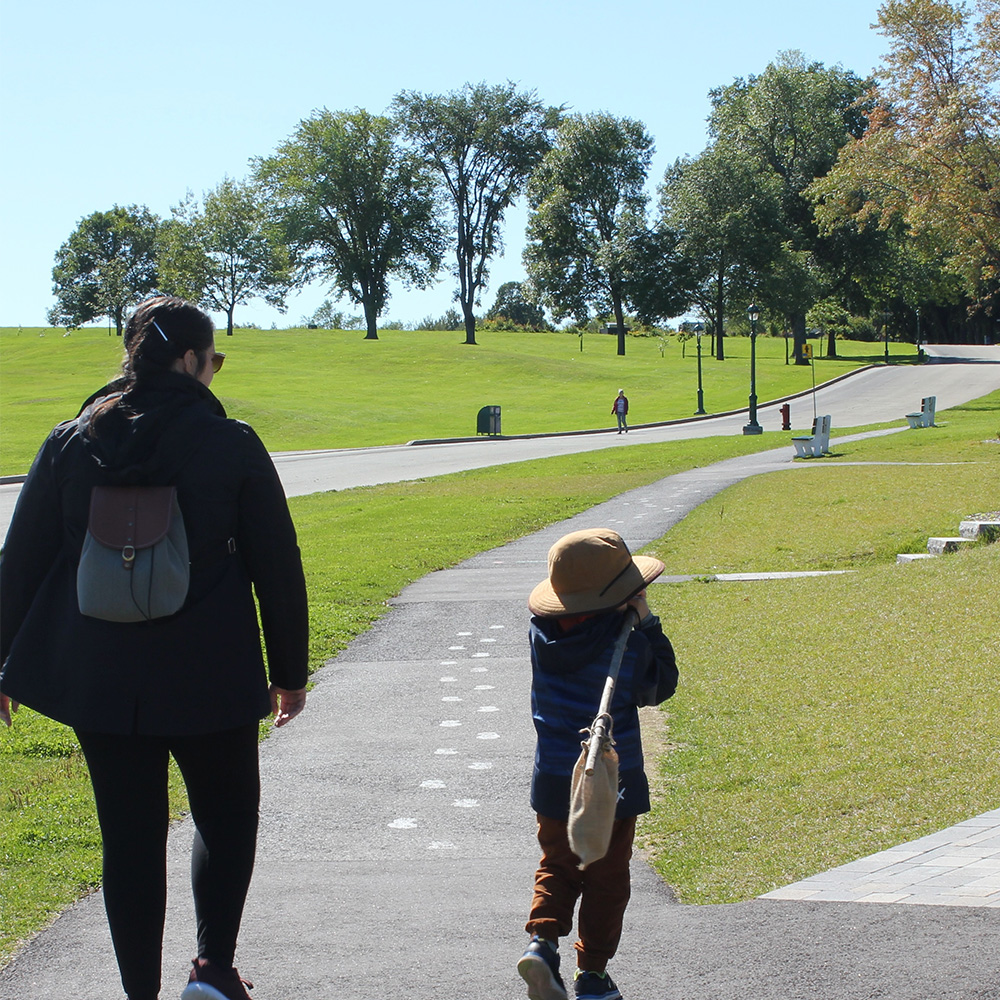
925, 418
815, 444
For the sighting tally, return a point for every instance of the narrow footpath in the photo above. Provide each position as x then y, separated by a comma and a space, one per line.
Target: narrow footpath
397, 845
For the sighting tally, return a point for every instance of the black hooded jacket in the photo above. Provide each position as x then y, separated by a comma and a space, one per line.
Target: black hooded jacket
200, 670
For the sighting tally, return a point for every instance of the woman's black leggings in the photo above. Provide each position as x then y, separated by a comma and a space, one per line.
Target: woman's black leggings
129, 774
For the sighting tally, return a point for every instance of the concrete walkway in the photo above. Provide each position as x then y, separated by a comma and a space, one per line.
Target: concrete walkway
959, 866
397, 845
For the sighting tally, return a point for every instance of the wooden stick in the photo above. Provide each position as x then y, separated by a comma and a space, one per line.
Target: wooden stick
601, 728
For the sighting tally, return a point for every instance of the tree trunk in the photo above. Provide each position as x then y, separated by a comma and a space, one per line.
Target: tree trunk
229, 316
467, 290
720, 308
371, 318
831, 343
119, 320
470, 323
799, 337
616, 302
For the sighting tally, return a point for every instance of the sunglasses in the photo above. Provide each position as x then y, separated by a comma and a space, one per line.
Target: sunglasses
217, 360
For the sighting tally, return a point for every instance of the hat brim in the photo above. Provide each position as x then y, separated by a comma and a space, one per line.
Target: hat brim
544, 601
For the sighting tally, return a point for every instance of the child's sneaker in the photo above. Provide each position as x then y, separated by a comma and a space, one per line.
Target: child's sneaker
595, 986
539, 968
209, 981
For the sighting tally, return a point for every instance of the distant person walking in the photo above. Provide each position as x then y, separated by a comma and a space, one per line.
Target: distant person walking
578, 612
192, 685
620, 409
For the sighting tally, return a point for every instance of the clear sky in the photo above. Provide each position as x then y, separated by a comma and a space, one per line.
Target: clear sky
106, 103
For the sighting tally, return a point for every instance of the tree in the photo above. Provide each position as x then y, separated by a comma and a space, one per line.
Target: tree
483, 142
930, 156
515, 304
726, 214
107, 265
790, 124
450, 319
587, 198
357, 208
328, 318
225, 252
660, 281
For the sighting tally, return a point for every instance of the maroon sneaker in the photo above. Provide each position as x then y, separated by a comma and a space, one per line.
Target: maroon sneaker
214, 982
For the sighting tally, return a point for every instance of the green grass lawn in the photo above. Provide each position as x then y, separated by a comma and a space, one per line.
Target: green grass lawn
820, 720
305, 389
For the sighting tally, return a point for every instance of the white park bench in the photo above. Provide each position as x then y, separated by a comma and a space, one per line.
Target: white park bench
925, 418
815, 444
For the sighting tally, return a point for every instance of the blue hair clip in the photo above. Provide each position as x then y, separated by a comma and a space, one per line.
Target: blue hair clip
160, 332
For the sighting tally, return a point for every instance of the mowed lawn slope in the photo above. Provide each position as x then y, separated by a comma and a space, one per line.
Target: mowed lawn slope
820, 720
304, 389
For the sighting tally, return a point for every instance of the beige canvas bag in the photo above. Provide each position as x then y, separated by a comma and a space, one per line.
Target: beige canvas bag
594, 789
592, 804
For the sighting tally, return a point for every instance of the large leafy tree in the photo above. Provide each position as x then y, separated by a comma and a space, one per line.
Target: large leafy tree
358, 209
790, 124
588, 199
727, 215
483, 142
930, 157
226, 251
107, 265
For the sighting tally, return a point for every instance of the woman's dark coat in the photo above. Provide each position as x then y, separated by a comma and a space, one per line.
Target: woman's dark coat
200, 670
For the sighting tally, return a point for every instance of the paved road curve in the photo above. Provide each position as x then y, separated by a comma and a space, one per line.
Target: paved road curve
876, 395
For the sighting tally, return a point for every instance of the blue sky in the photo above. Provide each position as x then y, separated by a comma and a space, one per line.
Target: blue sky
111, 103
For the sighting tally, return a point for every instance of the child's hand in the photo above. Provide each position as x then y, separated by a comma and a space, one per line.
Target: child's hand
639, 603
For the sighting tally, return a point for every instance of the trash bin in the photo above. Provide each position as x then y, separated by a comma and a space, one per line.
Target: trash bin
488, 420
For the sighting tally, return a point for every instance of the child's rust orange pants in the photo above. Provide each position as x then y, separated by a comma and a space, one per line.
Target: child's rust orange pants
603, 889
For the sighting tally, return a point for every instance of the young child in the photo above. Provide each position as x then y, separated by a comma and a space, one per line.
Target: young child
578, 613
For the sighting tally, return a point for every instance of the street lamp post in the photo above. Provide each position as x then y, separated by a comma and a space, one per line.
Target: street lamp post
753, 427
699, 329
885, 331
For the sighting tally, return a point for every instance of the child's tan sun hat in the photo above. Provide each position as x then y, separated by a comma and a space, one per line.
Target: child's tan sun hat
591, 571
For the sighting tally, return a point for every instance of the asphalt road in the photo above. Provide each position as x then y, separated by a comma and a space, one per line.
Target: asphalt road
397, 846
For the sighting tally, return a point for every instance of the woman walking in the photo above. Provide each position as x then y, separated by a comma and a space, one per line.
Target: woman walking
192, 685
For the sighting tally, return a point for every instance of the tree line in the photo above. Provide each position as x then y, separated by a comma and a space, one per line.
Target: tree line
818, 192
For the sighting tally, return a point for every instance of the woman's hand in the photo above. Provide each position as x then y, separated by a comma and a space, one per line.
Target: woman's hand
7, 706
285, 704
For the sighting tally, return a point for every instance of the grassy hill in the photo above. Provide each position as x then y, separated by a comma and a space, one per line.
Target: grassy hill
305, 389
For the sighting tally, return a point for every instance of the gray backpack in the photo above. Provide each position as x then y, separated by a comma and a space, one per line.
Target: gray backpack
135, 564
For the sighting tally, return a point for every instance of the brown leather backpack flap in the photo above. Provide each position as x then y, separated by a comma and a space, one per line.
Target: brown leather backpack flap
130, 515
